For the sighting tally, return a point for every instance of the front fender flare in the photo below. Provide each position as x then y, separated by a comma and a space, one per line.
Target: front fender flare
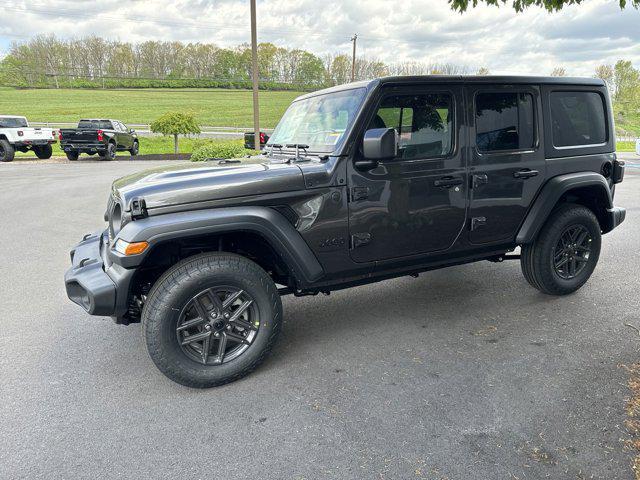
548, 197
265, 221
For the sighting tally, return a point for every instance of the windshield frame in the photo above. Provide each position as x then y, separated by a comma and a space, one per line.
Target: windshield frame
337, 147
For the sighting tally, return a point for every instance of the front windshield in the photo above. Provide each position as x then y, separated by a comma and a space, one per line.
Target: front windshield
319, 122
13, 122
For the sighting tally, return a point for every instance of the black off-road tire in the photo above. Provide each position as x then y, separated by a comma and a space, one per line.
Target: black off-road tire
7, 152
110, 153
136, 149
536, 258
43, 152
172, 292
73, 156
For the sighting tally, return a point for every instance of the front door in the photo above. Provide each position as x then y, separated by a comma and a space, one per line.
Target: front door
507, 165
416, 203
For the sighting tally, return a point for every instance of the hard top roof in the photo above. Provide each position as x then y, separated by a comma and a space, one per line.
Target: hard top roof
461, 79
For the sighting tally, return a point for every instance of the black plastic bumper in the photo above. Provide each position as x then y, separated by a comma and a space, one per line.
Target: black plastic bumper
98, 288
615, 217
84, 147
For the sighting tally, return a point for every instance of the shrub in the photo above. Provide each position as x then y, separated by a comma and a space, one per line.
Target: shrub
221, 149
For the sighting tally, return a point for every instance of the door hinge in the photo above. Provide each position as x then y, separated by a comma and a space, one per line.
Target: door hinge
478, 222
359, 193
360, 239
478, 179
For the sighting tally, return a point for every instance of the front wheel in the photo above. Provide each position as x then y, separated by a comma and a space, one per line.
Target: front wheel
211, 319
43, 152
73, 156
565, 253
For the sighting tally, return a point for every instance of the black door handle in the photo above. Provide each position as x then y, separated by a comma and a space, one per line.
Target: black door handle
524, 174
448, 182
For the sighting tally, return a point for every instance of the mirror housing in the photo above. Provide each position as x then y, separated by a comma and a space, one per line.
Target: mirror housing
380, 144
132, 131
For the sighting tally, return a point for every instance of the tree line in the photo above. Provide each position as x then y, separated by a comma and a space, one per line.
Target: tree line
51, 62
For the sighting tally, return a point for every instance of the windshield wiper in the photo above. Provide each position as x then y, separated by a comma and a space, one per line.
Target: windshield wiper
274, 145
298, 147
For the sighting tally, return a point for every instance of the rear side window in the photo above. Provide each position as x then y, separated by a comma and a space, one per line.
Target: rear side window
13, 122
578, 119
504, 121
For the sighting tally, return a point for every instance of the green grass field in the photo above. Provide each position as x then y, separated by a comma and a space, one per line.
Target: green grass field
151, 145
212, 107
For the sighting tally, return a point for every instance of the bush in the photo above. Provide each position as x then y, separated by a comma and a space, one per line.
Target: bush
222, 149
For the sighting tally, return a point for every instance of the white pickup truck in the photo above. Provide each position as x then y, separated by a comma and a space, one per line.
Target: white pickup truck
16, 135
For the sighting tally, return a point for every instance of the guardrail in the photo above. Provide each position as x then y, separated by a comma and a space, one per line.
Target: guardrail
145, 129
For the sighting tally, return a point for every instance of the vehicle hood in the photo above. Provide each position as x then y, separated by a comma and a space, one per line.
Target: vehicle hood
205, 181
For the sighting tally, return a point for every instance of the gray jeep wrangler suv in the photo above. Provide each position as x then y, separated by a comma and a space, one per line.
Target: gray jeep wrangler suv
358, 183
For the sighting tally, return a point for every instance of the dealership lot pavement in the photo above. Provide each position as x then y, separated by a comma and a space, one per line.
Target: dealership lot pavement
462, 373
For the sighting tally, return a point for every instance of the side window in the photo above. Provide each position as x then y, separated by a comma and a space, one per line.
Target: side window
504, 121
424, 123
578, 119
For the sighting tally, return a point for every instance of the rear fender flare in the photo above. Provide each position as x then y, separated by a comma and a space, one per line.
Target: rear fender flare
553, 191
264, 221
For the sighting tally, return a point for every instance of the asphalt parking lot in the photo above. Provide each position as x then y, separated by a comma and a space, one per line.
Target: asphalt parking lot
463, 373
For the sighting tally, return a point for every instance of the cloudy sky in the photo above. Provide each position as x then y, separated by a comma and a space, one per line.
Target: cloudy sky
578, 38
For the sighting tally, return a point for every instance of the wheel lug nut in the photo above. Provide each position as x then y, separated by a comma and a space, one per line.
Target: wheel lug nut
207, 327
216, 334
214, 314
226, 315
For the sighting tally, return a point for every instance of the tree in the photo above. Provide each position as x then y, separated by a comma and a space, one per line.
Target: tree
605, 73
520, 5
483, 71
558, 72
176, 123
627, 82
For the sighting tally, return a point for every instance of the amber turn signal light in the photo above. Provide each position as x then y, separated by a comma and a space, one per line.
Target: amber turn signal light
126, 248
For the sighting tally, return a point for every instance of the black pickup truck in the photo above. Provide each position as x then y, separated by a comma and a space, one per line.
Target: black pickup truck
102, 137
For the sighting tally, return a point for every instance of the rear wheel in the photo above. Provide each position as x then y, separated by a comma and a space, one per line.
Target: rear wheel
7, 152
211, 319
110, 153
565, 253
73, 156
43, 152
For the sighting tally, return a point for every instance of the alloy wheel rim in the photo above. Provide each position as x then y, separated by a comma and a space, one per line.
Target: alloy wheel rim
572, 252
217, 325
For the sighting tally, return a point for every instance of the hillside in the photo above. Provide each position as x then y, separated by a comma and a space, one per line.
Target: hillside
213, 107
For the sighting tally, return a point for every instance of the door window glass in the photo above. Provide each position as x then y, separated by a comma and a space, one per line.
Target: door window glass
504, 121
578, 119
424, 123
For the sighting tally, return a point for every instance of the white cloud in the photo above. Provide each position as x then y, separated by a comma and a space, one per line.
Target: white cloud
577, 38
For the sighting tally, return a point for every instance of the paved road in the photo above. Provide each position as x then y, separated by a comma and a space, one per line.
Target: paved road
465, 373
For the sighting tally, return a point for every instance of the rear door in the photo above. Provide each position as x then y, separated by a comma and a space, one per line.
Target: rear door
507, 164
416, 203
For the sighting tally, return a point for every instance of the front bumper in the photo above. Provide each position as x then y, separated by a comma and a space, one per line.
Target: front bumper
97, 285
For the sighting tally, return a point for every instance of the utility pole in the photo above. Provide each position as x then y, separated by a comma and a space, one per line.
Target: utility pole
354, 39
254, 77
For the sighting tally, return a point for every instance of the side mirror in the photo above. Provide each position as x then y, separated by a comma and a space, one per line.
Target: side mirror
378, 144
132, 131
